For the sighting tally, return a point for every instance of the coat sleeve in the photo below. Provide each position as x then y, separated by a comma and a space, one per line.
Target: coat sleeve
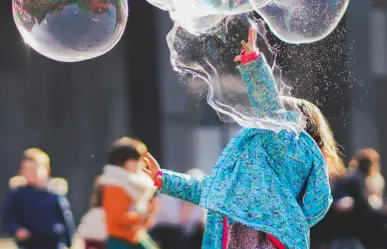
68, 219
10, 217
317, 197
262, 90
182, 186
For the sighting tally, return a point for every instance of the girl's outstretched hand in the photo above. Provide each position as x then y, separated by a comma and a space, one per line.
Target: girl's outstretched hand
250, 46
153, 169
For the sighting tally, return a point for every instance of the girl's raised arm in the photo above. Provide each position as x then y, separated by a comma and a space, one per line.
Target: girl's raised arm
260, 83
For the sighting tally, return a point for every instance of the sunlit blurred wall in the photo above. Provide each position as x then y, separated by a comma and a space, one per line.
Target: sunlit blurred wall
367, 28
378, 53
176, 130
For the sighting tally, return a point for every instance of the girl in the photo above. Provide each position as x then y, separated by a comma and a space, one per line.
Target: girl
267, 189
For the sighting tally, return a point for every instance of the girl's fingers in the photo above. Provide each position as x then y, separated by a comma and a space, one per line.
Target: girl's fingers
149, 164
237, 58
146, 161
152, 163
255, 33
147, 171
250, 34
244, 45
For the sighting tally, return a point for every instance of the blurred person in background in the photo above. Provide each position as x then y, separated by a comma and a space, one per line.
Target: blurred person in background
57, 185
179, 224
92, 228
357, 217
324, 232
374, 181
365, 185
127, 197
168, 231
36, 212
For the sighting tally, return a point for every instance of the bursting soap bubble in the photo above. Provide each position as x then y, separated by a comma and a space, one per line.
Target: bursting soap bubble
292, 21
209, 57
207, 35
71, 30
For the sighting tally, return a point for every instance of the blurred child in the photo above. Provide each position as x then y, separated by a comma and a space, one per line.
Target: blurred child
127, 197
57, 185
34, 215
93, 224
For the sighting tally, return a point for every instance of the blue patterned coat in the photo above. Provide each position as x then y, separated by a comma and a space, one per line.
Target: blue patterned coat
273, 182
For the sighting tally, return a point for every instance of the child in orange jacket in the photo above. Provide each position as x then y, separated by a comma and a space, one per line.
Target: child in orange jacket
127, 197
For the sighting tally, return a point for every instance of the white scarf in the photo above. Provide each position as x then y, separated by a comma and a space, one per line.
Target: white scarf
93, 225
138, 186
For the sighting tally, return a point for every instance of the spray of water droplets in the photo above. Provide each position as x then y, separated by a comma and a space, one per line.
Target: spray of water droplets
209, 57
322, 72
207, 35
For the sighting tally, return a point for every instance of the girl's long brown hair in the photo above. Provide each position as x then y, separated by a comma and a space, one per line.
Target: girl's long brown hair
318, 128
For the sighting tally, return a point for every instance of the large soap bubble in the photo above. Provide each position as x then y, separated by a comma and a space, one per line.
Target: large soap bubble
293, 21
303, 21
71, 30
209, 57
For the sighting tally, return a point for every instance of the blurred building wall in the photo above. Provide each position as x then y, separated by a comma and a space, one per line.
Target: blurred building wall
72, 111
365, 28
378, 53
176, 130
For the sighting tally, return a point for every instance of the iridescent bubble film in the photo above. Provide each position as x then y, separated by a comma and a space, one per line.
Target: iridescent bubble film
209, 57
302, 21
292, 21
71, 30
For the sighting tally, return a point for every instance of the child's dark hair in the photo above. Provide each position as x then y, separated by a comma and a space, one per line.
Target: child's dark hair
119, 154
124, 149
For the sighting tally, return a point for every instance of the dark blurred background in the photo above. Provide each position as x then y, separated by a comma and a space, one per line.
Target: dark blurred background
73, 111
